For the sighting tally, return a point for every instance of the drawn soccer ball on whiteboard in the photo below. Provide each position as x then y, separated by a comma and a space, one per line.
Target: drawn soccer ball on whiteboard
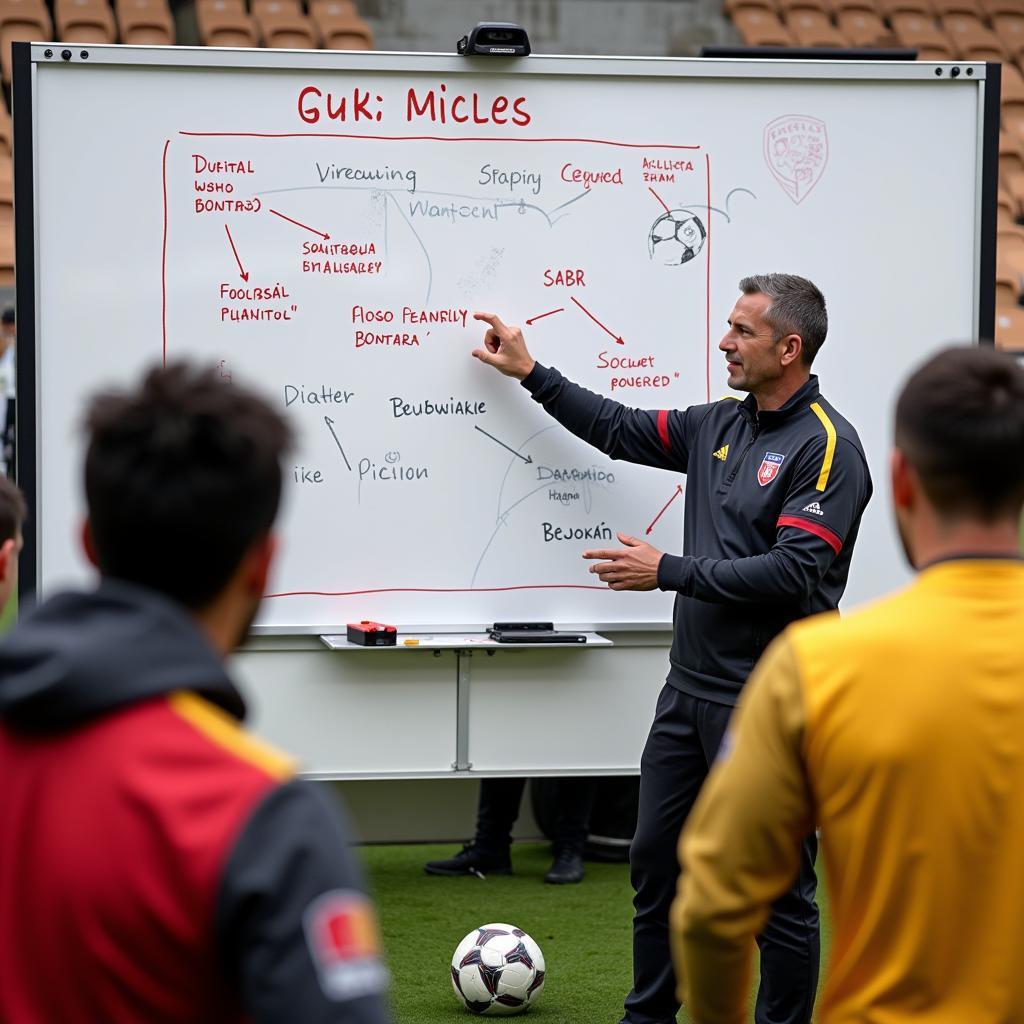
676, 238
497, 970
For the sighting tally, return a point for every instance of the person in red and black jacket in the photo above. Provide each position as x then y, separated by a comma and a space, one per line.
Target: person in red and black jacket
158, 863
776, 486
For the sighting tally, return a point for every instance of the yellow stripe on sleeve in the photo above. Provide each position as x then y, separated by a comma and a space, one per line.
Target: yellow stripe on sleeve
830, 445
224, 730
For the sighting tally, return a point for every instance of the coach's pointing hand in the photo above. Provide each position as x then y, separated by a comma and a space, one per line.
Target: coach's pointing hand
504, 348
634, 567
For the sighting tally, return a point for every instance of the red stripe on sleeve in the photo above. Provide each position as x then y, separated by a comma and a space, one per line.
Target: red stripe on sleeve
818, 529
663, 430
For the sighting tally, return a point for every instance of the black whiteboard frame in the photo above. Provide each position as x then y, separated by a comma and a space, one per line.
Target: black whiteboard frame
28, 55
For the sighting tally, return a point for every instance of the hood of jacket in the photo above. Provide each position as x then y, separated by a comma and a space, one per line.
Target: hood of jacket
83, 654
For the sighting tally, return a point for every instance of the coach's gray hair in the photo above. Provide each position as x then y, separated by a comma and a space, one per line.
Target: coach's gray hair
798, 307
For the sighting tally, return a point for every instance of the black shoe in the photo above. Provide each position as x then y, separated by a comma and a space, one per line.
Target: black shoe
471, 860
566, 868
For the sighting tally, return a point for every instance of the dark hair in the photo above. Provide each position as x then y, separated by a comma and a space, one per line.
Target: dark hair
12, 510
960, 423
798, 307
7, 316
182, 477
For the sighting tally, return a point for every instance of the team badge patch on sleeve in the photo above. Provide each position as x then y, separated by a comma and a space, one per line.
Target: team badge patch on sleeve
769, 468
341, 932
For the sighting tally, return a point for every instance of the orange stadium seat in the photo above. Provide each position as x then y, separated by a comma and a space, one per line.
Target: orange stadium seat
6, 256
283, 26
6, 132
145, 22
753, 24
339, 28
890, 8
943, 8
862, 28
1010, 328
21, 21
85, 21
1010, 249
920, 31
804, 20
1012, 106
733, 7
971, 39
994, 7
1010, 30
225, 23
1007, 284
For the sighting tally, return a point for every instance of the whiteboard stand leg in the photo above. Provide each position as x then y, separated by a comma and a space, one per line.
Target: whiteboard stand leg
462, 762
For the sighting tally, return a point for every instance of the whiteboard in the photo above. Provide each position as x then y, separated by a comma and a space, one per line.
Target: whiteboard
323, 225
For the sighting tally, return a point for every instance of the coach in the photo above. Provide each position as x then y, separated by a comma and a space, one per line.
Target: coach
777, 484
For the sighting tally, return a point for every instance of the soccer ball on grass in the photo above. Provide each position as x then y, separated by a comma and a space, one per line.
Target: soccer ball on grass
497, 970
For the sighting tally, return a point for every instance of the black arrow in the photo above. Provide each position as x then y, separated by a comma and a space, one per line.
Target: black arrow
525, 458
330, 427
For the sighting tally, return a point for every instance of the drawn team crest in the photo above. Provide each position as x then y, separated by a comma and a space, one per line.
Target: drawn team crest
769, 468
796, 151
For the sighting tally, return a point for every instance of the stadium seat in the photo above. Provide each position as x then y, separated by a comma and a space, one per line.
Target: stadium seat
1007, 285
145, 22
225, 23
1009, 28
1012, 107
992, 8
971, 39
750, 22
6, 256
85, 21
1010, 249
6, 132
861, 27
732, 7
1007, 205
944, 8
890, 8
21, 21
812, 8
919, 31
1010, 328
820, 35
282, 25
338, 27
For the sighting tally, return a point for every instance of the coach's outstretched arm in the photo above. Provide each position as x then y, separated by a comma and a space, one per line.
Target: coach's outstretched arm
656, 437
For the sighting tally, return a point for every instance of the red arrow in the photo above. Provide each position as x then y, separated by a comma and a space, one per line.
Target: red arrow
618, 340
241, 269
534, 319
678, 491
300, 224
656, 196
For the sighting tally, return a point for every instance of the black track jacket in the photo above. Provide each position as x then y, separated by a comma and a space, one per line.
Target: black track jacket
773, 504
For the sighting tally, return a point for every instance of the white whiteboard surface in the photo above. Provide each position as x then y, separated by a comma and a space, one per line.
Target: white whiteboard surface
863, 177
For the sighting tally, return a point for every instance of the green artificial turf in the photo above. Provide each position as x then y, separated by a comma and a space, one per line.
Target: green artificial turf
584, 931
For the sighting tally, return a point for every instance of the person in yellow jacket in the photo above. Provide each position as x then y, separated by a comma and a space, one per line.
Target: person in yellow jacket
899, 730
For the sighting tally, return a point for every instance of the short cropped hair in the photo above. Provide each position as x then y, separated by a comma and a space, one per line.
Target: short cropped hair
798, 307
182, 477
12, 510
960, 424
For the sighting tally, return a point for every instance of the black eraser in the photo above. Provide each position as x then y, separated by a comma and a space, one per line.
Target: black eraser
523, 626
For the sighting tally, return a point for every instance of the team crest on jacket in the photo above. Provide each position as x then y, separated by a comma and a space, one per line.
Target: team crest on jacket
769, 468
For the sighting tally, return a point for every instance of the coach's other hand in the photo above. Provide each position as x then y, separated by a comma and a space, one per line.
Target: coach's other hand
634, 567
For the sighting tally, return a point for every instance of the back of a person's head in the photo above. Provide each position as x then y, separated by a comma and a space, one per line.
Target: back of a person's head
960, 424
182, 477
12, 511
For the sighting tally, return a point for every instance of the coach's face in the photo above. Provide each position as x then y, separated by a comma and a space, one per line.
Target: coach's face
754, 356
